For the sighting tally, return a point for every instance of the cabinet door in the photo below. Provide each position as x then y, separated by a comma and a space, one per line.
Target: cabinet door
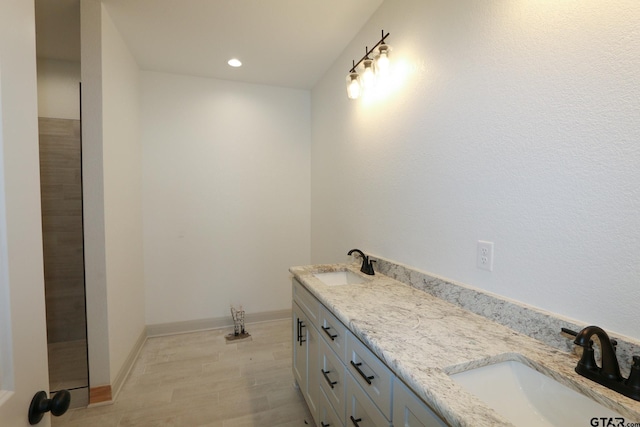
299, 348
305, 358
313, 369
409, 411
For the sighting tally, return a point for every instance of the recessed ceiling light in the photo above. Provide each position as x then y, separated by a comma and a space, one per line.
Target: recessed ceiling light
234, 62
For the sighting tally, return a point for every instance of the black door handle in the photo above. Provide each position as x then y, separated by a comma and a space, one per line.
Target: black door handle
355, 421
40, 405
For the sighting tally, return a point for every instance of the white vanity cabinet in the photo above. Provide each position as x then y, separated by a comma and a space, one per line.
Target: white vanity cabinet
343, 382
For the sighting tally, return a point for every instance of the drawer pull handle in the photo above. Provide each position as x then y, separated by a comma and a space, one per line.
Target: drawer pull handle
322, 424
362, 374
326, 377
354, 421
300, 326
329, 334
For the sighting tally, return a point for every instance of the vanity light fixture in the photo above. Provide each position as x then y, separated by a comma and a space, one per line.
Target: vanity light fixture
368, 76
371, 69
353, 85
382, 60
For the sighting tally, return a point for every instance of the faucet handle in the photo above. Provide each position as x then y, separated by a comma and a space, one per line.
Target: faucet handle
588, 359
573, 333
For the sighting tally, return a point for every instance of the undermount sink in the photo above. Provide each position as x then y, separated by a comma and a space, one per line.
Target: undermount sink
527, 397
342, 277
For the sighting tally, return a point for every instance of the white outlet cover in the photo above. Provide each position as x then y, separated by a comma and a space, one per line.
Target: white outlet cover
484, 255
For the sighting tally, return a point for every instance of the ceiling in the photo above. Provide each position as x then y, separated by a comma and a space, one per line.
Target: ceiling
289, 43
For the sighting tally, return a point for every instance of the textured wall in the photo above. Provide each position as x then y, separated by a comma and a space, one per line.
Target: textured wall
514, 122
226, 195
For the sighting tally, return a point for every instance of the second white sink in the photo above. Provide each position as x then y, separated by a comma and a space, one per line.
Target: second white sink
527, 397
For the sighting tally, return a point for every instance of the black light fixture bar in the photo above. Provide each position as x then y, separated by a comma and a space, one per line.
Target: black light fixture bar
355, 64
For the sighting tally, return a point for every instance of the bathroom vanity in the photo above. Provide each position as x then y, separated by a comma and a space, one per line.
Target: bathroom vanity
343, 382
372, 351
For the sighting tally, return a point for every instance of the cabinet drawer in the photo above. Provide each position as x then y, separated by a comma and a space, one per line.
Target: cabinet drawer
334, 333
372, 375
332, 378
327, 417
307, 302
361, 412
410, 411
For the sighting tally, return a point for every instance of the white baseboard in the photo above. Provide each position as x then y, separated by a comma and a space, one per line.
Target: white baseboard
119, 380
160, 329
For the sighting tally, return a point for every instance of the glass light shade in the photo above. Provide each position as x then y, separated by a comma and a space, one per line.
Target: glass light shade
353, 85
368, 76
382, 60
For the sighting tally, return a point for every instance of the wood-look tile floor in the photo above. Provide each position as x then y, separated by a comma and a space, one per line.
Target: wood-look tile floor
198, 379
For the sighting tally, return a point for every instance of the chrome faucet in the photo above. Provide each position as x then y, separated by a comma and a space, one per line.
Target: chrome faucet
609, 373
367, 267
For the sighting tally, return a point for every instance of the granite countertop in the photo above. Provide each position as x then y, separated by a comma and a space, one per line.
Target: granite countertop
423, 339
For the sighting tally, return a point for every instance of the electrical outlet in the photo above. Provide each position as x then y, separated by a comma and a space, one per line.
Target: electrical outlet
484, 256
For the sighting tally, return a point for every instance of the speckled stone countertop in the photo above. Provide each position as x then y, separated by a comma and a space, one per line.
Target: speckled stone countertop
423, 339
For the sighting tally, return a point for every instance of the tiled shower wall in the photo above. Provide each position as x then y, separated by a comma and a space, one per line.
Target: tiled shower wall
61, 192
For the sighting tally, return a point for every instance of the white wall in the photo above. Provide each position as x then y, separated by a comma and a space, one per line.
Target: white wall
122, 156
58, 89
226, 195
514, 122
112, 196
93, 194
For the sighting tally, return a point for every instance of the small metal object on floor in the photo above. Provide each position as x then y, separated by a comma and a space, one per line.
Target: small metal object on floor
239, 334
244, 336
